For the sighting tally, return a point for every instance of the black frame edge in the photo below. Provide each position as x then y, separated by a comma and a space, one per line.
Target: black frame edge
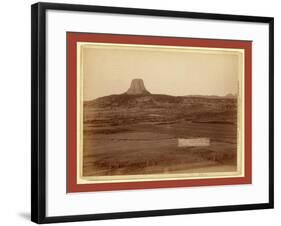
34, 120
153, 12
271, 112
38, 112
38, 115
156, 213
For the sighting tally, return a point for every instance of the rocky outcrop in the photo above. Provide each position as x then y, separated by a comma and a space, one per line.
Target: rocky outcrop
137, 88
230, 95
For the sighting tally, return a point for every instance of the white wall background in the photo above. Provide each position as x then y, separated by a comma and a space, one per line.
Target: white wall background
15, 111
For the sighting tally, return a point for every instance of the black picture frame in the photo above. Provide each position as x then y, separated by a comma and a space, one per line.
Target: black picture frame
38, 111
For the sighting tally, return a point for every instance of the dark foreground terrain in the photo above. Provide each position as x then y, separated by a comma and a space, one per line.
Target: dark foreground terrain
138, 134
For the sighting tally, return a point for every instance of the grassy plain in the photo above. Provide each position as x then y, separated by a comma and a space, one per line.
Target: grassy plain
138, 134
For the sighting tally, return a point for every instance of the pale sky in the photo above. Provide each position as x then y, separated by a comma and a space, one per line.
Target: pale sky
109, 70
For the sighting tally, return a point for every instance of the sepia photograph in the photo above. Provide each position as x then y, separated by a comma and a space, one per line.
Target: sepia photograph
149, 112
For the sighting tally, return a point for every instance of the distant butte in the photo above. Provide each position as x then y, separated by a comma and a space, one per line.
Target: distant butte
137, 88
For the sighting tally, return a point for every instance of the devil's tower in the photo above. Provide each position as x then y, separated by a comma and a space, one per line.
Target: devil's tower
137, 88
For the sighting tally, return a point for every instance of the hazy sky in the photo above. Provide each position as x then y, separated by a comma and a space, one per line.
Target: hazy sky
109, 70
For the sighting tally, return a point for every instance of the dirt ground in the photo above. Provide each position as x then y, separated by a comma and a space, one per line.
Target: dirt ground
142, 139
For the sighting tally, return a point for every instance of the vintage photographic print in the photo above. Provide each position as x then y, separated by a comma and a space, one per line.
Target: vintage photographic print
149, 112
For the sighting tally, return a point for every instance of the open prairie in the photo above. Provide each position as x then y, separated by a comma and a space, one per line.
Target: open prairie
138, 134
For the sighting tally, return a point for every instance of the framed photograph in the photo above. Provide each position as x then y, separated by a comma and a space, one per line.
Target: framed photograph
140, 112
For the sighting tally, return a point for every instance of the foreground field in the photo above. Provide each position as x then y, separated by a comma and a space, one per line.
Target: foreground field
125, 135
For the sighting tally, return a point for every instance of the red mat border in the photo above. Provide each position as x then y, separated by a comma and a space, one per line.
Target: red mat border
74, 37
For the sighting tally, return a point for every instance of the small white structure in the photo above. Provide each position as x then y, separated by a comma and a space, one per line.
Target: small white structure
193, 142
